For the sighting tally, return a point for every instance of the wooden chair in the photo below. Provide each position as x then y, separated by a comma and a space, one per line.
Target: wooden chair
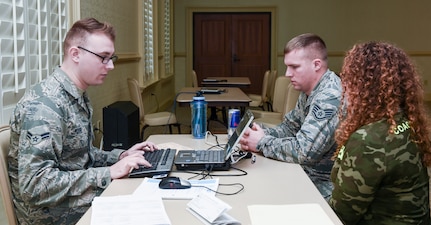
260, 100
5, 187
152, 119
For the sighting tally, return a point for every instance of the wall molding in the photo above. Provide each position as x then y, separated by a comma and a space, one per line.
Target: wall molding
180, 54
128, 57
419, 53
342, 54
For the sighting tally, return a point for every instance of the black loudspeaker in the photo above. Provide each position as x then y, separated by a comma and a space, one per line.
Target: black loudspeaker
120, 125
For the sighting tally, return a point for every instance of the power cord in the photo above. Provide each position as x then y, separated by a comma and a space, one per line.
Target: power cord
206, 174
209, 173
208, 142
224, 193
157, 101
236, 155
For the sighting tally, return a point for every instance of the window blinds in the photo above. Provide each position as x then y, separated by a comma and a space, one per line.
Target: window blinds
148, 40
167, 36
31, 37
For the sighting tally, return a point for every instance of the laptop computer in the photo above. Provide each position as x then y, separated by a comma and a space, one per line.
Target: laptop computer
207, 90
161, 163
213, 80
212, 160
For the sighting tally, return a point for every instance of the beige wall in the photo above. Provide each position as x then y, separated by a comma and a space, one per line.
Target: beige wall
125, 17
340, 23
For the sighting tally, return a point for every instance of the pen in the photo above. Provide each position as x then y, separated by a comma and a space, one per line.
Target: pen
131, 169
253, 158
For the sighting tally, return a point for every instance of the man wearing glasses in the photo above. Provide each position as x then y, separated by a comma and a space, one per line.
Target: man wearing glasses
55, 170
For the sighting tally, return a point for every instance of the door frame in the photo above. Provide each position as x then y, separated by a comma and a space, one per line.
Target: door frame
189, 32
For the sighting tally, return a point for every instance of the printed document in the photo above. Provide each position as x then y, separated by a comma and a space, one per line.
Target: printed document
128, 210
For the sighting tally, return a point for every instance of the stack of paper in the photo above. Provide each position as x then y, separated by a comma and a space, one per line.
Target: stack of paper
211, 210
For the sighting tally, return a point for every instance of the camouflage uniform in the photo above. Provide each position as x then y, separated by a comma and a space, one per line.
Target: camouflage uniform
306, 135
380, 178
55, 170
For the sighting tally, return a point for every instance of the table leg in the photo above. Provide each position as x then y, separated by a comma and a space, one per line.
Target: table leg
214, 117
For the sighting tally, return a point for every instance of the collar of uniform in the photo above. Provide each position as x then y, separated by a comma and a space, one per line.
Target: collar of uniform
323, 77
67, 83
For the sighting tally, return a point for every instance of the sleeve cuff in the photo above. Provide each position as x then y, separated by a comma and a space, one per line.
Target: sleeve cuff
103, 177
115, 155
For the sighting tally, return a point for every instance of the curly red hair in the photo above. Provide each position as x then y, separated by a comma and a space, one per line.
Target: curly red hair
379, 80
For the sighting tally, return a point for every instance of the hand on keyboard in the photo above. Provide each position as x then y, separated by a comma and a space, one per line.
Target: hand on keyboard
161, 161
139, 147
124, 166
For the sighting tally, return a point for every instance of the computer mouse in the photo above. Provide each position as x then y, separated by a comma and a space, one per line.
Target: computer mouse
174, 183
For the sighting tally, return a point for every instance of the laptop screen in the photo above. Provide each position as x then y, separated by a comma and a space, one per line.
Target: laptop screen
240, 129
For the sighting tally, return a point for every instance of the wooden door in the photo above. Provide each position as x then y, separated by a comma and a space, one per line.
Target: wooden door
232, 44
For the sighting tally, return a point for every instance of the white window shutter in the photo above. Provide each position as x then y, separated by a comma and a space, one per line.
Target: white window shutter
148, 40
31, 37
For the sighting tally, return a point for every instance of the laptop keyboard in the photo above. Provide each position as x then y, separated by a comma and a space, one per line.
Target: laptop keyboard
161, 162
206, 156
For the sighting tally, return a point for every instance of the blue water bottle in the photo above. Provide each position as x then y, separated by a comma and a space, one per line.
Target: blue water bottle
199, 116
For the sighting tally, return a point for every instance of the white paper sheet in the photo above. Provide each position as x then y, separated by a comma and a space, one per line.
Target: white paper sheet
129, 210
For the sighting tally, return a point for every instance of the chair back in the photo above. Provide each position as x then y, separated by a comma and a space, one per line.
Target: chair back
271, 84
5, 187
194, 79
280, 94
136, 96
265, 81
291, 99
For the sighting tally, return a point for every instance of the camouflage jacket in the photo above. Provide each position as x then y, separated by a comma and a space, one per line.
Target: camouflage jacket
55, 170
306, 135
379, 178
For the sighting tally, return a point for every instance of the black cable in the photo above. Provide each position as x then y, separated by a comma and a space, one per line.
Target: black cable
223, 193
157, 102
98, 130
216, 139
214, 146
208, 173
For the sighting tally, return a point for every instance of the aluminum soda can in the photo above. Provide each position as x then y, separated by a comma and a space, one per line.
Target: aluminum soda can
234, 118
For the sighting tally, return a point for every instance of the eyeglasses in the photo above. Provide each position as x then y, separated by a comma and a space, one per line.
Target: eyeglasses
105, 59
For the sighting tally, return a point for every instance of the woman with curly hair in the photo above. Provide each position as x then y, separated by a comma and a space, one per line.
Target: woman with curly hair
380, 170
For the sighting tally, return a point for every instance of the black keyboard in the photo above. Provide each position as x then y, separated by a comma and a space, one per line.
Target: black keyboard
161, 163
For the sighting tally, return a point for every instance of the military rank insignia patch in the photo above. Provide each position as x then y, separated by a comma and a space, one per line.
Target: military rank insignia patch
321, 114
37, 138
